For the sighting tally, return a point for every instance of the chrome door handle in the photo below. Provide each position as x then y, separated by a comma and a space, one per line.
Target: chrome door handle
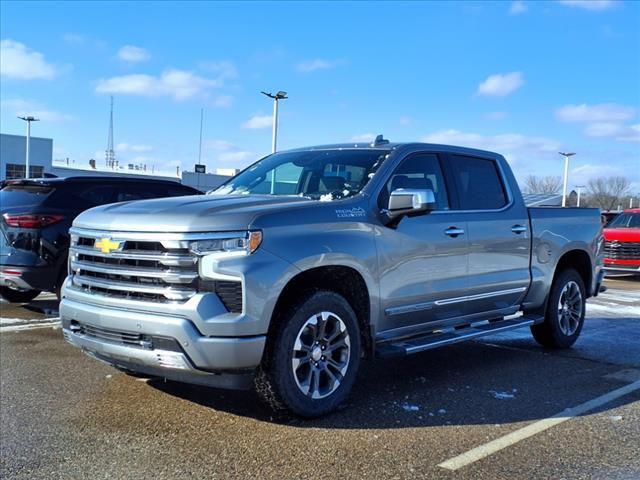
518, 229
454, 231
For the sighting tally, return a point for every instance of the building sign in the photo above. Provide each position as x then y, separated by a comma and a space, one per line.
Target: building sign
201, 168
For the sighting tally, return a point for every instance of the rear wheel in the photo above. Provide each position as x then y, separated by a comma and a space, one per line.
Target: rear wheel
565, 312
18, 296
312, 358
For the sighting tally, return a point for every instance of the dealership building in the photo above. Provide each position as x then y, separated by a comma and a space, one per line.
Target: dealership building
13, 154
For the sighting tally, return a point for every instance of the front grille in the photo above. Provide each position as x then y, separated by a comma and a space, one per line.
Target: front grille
143, 270
616, 250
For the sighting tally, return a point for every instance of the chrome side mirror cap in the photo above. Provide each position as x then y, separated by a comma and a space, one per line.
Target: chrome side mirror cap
406, 201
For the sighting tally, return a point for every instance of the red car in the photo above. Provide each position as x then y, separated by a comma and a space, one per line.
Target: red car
622, 243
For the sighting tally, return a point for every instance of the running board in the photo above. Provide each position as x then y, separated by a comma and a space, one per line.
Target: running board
434, 340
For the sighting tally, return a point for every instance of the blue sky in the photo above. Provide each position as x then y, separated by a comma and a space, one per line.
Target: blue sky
525, 79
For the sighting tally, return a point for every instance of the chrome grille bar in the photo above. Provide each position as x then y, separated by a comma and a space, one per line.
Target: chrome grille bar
168, 276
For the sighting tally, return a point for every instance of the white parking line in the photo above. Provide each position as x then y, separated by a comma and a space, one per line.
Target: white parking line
512, 438
51, 322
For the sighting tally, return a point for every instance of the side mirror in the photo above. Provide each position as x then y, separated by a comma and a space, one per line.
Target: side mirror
405, 201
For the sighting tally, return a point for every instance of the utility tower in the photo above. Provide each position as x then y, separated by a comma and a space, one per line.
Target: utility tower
110, 156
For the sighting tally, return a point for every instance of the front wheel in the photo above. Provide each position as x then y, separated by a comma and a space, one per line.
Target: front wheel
565, 312
312, 357
18, 296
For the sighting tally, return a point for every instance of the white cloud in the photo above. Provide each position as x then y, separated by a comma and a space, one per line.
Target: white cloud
364, 138
518, 7
593, 5
239, 157
128, 147
309, 66
223, 101
224, 68
179, 84
258, 121
23, 108
133, 54
20, 62
604, 112
501, 85
513, 146
624, 133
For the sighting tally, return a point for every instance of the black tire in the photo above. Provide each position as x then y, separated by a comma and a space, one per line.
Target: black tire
555, 332
276, 382
18, 296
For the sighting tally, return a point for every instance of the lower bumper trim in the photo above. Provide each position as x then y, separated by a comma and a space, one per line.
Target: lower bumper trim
157, 363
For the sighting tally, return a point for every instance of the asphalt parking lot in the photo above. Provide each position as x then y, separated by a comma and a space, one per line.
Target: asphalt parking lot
503, 399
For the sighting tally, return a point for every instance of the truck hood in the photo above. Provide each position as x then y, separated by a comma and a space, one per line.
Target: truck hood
622, 234
199, 213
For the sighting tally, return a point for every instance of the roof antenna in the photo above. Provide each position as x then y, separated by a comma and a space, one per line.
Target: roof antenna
380, 140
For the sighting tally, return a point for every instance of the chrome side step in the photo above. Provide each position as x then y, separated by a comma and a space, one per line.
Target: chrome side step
440, 339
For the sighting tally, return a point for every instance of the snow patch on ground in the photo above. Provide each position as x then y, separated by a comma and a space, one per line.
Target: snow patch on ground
503, 395
407, 407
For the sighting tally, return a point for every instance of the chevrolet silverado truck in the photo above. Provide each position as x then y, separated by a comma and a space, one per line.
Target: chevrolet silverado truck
622, 243
312, 260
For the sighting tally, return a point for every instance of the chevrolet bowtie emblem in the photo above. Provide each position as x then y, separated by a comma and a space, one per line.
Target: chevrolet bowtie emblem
106, 245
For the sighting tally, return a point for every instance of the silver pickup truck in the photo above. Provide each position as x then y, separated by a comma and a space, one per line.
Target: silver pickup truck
310, 260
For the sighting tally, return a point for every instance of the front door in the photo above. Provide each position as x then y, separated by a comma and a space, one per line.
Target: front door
423, 260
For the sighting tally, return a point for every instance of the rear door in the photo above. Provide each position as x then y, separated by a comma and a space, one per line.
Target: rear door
498, 234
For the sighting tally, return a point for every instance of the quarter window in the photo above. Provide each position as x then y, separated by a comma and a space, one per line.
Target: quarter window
479, 183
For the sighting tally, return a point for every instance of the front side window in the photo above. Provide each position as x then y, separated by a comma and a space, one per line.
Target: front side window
479, 183
420, 172
317, 174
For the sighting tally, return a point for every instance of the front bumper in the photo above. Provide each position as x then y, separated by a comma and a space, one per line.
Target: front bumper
621, 266
215, 361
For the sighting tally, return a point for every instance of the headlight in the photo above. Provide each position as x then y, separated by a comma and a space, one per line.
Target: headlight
238, 245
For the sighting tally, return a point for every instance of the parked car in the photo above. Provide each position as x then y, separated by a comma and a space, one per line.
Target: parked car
36, 217
310, 260
622, 243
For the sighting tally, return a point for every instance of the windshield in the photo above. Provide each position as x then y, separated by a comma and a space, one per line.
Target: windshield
625, 220
317, 174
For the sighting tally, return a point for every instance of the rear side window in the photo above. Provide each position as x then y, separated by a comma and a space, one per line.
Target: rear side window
98, 195
23, 195
479, 184
127, 193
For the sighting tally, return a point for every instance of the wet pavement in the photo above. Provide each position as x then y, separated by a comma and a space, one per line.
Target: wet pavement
64, 415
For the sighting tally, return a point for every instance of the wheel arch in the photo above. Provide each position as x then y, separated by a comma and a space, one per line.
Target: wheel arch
341, 279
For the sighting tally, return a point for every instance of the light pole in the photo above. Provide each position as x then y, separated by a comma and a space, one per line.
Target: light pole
28, 119
278, 96
566, 176
579, 187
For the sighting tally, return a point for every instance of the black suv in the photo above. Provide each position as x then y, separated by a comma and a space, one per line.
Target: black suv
37, 215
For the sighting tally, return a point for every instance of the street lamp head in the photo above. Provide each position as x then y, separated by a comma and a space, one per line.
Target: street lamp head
569, 154
278, 96
29, 119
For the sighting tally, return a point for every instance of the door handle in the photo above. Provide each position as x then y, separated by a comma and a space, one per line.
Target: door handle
454, 231
518, 229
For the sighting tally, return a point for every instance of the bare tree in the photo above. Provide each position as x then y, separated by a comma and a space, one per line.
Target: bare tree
607, 192
550, 184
